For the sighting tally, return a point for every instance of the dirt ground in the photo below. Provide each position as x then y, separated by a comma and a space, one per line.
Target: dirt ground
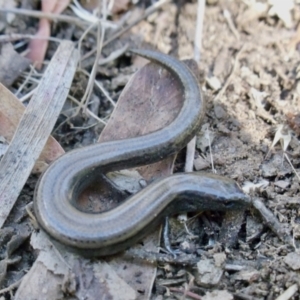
249, 73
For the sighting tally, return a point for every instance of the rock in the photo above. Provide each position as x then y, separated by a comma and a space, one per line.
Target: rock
293, 260
208, 275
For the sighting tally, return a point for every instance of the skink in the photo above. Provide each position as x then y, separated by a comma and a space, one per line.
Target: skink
115, 230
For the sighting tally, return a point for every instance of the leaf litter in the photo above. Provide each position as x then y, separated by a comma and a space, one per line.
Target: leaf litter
242, 137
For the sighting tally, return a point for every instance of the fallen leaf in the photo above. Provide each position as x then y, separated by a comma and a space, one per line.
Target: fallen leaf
11, 111
12, 64
283, 10
293, 260
37, 47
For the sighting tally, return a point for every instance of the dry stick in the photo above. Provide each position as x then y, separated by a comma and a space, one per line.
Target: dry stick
199, 30
89, 89
11, 287
28, 95
190, 151
190, 155
288, 293
35, 126
100, 39
147, 13
154, 257
241, 296
80, 41
43, 15
287, 158
230, 23
17, 36
186, 293
271, 221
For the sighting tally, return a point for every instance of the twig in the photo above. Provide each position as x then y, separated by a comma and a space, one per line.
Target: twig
11, 287
100, 38
244, 297
230, 23
153, 257
186, 293
28, 95
190, 155
40, 15
210, 152
84, 101
17, 36
270, 220
289, 293
199, 30
287, 158
190, 151
83, 36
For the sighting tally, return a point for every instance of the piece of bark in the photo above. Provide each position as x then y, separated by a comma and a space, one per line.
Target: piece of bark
38, 46
11, 111
35, 126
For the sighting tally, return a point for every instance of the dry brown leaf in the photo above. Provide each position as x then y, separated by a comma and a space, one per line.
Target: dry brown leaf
11, 111
38, 46
55, 7
53, 277
12, 64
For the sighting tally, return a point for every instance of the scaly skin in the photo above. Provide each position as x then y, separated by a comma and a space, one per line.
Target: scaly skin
113, 231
